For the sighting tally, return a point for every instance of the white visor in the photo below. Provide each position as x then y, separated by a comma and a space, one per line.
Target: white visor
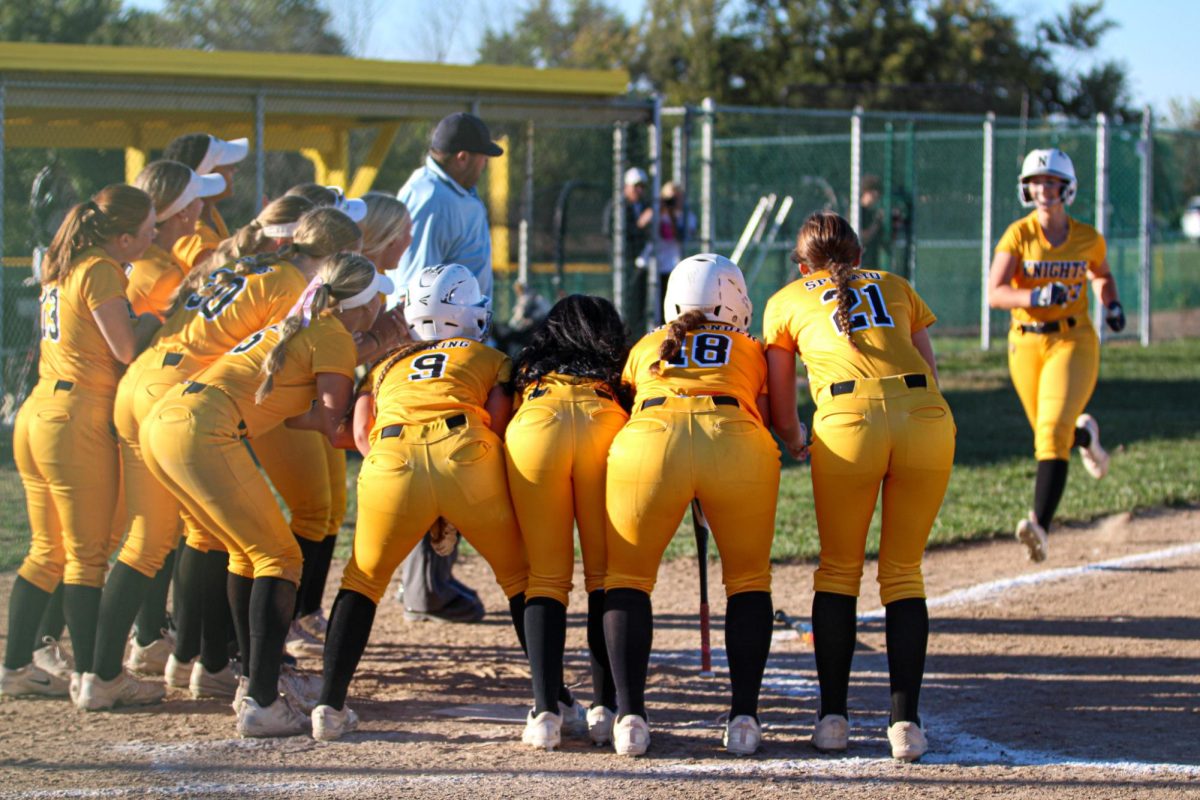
353, 207
286, 230
382, 284
199, 186
222, 153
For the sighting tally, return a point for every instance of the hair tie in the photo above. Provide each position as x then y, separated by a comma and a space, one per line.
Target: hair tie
304, 306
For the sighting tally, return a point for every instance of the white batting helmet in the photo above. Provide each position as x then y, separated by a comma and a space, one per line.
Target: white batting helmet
444, 301
1052, 162
711, 283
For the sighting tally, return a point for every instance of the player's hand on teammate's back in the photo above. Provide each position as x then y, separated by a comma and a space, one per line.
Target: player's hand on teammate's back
1114, 315
1052, 294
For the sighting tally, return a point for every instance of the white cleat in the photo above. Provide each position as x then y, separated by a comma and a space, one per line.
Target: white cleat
329, 724
124, 690
543, 731
222, 683
1095, 458
631, 736
304, 688
743, 735
315, 624
52, 658
831, 734
1033, 537
302, 644
151, 659
177, 674
281, 718
574, 718
32, 681
907, 740
600, 722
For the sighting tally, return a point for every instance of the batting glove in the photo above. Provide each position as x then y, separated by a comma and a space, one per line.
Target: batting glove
1052, 294
1114, 315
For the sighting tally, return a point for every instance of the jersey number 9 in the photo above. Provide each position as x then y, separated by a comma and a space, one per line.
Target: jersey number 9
429, 365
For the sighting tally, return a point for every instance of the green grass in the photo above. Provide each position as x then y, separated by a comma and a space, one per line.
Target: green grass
1145, 401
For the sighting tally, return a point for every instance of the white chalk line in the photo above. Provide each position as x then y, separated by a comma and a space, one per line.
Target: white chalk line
952, 745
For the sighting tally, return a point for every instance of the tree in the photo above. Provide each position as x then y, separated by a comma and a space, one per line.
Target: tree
68, 21
586, 34
272, 26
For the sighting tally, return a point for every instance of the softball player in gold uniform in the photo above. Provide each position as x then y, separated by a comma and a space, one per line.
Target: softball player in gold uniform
880, 421
433, 410
192, 442
698, 430
572, 404
238, 301
63, 443
1041, 269
206, 155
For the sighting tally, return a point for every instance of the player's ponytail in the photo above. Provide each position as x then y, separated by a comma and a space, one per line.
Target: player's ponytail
677, 329
114, 210
827, 241
253, 238
344, 276
398, 354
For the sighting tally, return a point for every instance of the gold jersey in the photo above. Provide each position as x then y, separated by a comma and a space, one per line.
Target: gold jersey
1071, 264
189, 249
802, 318
453, 375
204, 328
72, 347
715, 359
153, 279
324, 346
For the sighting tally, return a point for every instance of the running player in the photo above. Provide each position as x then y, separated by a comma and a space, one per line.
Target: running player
1041, 270
572, 403
62, 441
698, 430
192, 441
428, 426
880, 420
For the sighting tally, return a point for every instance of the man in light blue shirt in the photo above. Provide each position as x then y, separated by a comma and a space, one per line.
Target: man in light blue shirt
449, 221
449, 226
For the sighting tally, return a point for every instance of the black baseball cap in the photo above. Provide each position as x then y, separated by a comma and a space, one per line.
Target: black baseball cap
463, 131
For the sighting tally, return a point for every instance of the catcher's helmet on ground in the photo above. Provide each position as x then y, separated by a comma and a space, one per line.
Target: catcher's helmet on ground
711, 283
1052, 162
445, 301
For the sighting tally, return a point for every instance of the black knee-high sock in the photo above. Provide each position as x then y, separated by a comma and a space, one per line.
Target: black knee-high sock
81, 605
350, 623
311, 551
217, 619
835, 627
310, 601
272, 603
152, 616
907, 640
604, 692
748, 622
124, 592
26, 605
546, 634
629, 632
238, 591
187, 591
53, 622
516, 610
1048, 490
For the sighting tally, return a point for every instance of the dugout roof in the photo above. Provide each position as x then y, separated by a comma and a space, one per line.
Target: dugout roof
140, 98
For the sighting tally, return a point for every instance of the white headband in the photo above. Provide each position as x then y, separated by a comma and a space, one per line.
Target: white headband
381, 285
285, 230
221, 153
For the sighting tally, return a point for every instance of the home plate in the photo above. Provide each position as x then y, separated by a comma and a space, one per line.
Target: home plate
485, 712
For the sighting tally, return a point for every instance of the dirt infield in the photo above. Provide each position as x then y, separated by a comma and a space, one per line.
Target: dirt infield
1076, 678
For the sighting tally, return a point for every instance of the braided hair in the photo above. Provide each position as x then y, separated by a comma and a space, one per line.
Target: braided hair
582, 336
827, 241
114, 210
677, 329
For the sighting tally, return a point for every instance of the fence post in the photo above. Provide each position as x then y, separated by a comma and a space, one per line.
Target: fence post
889, 231
911, 169
651, 309
708, 110
3, 321
260, 150
682, 155
526, 210
1146, 224
985, 249
855, 207
1101, 208
618, 216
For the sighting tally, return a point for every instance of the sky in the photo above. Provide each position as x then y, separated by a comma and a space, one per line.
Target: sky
1154, 38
